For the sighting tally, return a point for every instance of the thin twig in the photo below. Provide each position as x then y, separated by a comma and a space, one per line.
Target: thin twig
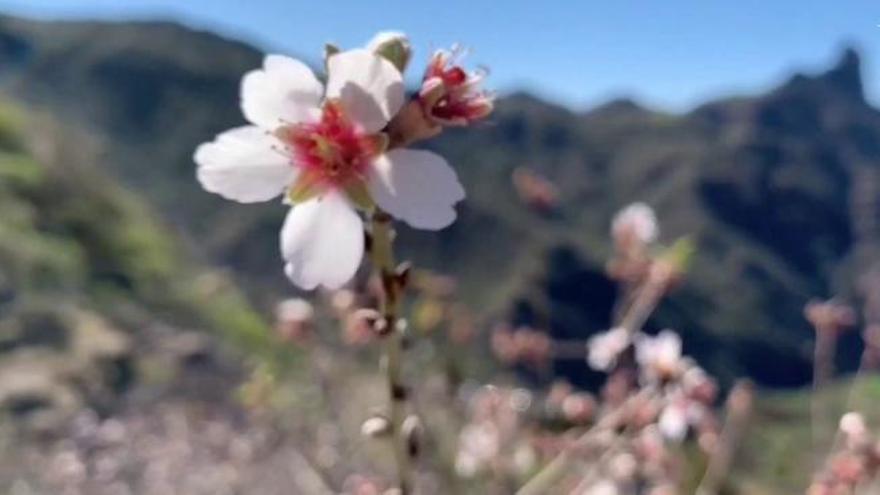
542, 482
823, 371
739, 409
382, 249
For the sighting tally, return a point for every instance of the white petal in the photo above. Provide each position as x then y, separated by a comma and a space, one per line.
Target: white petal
283, 91
418, 187
322, 242
369, 87
673, 423
241, 164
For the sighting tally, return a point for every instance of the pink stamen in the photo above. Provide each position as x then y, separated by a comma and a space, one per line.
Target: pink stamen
334, 151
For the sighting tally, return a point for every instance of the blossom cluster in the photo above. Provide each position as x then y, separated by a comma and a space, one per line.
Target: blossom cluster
623, 439
855, 466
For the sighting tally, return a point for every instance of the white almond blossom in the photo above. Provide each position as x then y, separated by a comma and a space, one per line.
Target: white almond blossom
659, 356
604, 348
637, 222
673, 421
323, 148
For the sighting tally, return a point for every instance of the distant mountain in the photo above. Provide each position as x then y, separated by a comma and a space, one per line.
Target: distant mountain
774, 189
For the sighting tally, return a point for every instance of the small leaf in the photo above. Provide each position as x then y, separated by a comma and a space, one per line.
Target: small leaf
680, 253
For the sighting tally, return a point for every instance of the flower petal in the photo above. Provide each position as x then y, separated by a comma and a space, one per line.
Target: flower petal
283, 91
369, 87
322, 242
242, 165
418, 187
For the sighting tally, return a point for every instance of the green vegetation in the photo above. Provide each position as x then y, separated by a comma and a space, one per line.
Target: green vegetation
85, 264
778, 454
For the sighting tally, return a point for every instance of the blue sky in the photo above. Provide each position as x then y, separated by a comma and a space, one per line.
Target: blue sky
669, 54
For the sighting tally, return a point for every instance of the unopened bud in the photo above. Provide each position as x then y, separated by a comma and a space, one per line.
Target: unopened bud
450, 95
402, 273
376, 427
393, 46
294, 319
412, 434
852, 424
578, 408
635, 226
362, 326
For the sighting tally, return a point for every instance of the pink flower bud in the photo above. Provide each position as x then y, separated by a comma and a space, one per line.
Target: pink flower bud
451, 96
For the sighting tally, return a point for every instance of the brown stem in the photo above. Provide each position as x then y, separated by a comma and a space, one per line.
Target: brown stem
382, 250
823, 371
739, 408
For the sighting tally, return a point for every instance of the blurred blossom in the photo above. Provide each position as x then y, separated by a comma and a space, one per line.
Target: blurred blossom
635, 226
830, 316
578, 408
659, 357
535, 191
673, 421
360, 326
358, 484
492, 431
558, 392
603, 487
478, 445
603, 349
852, 424
854, 464
375, 426
623, 466
343, 300
294, 319
521, 346
699, 386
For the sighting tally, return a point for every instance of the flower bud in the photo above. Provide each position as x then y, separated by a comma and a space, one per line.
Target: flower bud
393, 46
412, 434
635, 225
376, 427
361, 326
294, 319
451, 96
578, 408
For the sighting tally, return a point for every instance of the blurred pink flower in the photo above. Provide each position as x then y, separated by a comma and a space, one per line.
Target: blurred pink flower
635, 224
659, 357
603, 349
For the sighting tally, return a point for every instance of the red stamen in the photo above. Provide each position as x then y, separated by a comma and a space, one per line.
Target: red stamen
334, 150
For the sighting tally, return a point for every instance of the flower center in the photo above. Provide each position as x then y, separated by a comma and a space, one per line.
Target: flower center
333, 151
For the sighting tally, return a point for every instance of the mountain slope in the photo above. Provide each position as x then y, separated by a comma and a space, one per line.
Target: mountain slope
96, 295
765, 186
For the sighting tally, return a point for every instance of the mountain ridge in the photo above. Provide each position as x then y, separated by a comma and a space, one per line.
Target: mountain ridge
762, 183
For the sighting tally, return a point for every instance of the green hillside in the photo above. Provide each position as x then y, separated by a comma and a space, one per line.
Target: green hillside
92, 282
